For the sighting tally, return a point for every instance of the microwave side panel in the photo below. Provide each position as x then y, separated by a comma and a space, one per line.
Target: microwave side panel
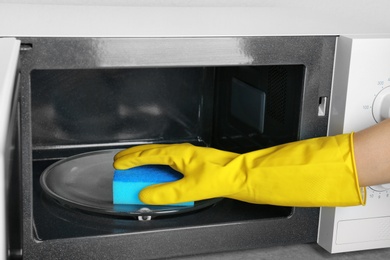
360, 66
339, 86
9, 53
327, 228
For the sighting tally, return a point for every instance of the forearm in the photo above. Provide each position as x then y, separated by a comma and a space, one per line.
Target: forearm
372, 154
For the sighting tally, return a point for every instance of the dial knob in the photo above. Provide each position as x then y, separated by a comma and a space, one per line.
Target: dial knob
381, 105
382, 187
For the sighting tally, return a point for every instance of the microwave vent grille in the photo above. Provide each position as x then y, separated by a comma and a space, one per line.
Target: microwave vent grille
276, 95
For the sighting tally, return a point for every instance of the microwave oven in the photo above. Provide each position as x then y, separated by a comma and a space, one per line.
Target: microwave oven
93, 77
72, 96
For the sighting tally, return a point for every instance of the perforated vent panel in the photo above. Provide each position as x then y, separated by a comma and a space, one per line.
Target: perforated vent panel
276, 100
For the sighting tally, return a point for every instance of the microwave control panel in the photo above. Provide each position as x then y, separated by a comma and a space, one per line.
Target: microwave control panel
360, 98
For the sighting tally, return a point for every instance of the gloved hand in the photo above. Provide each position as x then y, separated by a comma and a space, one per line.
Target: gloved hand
313, 172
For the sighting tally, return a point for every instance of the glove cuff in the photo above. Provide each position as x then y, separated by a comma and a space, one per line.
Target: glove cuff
309, 173
362, 191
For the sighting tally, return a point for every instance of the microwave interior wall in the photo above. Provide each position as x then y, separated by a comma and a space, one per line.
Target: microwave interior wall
235, 94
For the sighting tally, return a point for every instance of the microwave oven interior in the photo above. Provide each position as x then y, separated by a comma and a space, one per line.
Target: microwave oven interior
238, 109
82, 95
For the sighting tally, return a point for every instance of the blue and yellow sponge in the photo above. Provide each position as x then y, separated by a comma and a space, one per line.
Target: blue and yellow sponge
128, 183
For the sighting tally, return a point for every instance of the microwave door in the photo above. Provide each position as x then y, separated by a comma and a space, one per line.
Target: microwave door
9, 54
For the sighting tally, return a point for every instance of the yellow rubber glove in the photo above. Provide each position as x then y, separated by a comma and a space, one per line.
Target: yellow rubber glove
313, 172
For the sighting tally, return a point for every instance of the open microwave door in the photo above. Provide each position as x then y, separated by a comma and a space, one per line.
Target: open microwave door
9, 54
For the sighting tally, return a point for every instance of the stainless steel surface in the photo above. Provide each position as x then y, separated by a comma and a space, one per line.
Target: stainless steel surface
229, 224
56, 53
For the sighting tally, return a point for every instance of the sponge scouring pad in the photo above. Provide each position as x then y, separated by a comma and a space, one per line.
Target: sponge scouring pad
128, 183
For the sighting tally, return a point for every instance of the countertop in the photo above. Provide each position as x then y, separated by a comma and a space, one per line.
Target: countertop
302, 251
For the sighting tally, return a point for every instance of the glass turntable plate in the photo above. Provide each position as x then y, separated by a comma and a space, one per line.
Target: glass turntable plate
84, 181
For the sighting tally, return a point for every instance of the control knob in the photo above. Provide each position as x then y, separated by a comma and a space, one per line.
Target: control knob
381, 105
383, 187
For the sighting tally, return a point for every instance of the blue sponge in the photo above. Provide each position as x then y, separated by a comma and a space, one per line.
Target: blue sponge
128, 183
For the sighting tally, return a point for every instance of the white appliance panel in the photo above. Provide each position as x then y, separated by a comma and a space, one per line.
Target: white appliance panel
360, 98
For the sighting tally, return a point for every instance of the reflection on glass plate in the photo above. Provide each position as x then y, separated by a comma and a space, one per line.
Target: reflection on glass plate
85, 182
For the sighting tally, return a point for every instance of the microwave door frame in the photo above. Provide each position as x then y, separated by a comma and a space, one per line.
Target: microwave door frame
107, 53
9, 56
